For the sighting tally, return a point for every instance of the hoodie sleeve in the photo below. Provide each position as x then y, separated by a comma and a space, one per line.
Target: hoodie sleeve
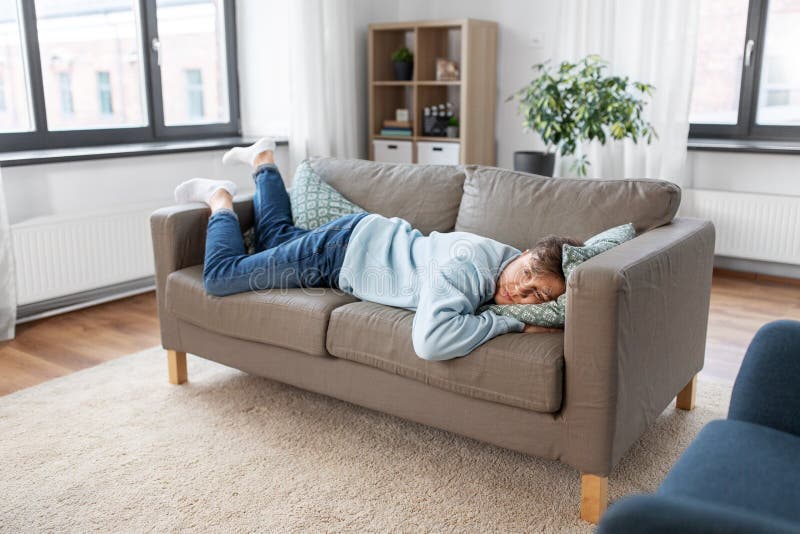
445, 325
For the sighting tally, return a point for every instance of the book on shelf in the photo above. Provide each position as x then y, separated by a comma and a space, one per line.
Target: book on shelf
400, 132
397, 124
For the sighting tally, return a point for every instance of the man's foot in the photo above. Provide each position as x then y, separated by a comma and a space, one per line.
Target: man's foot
249, 154
201, 190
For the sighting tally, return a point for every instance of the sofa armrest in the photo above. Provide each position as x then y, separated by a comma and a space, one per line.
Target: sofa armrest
634, 336
179, 240
766, 389
660, 514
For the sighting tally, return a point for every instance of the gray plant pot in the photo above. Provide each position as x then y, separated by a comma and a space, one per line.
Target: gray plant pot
533, 162
403, 70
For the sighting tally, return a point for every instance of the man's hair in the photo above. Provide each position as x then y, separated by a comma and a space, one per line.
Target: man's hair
546, 254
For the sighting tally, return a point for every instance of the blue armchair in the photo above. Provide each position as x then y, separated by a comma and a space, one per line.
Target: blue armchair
741, 474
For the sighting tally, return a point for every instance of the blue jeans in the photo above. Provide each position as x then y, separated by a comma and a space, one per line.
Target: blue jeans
285, 257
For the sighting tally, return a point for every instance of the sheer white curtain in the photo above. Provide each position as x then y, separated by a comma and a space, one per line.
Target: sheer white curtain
652, 41
8, 284
326, 109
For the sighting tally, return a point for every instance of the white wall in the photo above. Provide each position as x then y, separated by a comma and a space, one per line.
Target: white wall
776, 174
68, 188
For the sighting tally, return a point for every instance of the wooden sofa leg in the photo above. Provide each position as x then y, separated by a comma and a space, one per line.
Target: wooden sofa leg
594, 497
685, 399
176, 362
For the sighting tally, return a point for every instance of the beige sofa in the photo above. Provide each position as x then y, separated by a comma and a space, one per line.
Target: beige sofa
635, 333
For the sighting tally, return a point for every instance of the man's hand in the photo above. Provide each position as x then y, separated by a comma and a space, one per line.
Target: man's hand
532, 328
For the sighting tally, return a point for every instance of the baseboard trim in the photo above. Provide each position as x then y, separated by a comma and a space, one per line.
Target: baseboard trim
744, 275
778, 273
84, 299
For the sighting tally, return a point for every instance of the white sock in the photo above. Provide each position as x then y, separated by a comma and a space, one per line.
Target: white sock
201, 189
247, 154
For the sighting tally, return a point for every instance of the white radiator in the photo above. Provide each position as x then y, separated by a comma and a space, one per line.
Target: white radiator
62, 255
750, 226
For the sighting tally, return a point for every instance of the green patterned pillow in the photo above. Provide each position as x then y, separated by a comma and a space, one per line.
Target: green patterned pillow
574, 256
552, 314
249, 237
314, 202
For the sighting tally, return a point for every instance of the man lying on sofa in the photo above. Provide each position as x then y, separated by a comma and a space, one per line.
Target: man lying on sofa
445, 277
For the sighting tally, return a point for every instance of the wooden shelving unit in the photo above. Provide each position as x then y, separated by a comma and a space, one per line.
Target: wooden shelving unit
473, 45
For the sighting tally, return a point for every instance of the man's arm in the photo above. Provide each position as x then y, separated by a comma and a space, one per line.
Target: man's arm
445, 325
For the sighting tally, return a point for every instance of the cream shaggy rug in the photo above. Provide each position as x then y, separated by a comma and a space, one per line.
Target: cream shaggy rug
116, 448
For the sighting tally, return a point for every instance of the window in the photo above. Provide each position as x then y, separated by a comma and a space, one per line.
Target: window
194, 95
188, 33
85, 40
99, 72
747, 72
779, 98
104, 93
65, 92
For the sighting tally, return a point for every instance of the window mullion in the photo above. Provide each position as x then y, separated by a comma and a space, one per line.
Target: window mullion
232, 66
155, 101
748, 102
152, 75
34, 64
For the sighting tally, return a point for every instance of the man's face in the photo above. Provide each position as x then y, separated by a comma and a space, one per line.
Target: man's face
518, 284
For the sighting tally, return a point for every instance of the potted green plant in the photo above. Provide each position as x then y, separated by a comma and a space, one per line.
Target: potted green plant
403, 62
452, 127
574, 102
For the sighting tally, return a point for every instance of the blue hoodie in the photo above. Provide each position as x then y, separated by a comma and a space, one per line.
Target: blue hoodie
445, 277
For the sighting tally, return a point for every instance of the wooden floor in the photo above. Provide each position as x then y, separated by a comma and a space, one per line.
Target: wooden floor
60, 345
739, 307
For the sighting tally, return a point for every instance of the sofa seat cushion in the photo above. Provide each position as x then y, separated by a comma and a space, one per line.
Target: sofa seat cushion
742, 466
522, 370
291, 318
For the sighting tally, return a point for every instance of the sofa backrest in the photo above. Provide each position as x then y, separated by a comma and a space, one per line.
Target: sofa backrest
519, 208
427, 196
